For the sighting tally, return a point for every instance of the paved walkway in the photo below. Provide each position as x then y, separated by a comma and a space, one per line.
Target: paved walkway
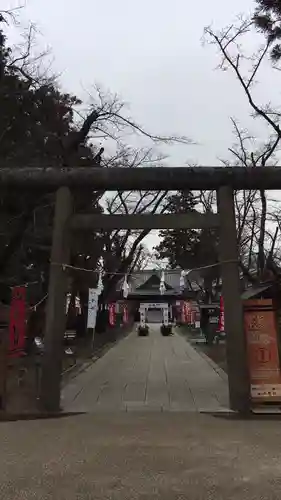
148, 373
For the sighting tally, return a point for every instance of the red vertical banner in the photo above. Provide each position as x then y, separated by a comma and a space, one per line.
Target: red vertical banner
183, 319
17, 324
186, 312
111, 314
221, 317
193, 316
189, 313
125, 314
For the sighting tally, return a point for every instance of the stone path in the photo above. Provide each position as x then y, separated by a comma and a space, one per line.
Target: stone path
148, 373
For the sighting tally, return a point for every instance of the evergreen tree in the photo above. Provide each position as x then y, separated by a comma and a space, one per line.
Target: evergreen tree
186, 248
36, 121
267, 18
190, 248
178, 246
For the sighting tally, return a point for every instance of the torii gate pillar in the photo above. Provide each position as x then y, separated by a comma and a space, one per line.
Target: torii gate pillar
237, 364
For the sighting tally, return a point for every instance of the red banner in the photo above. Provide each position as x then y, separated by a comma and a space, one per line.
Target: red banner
182, 312
17, 324
221, 317
112, 314
125, 314
193, 316
186, 312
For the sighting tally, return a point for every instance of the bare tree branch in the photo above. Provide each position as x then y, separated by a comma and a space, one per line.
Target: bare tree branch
227, 39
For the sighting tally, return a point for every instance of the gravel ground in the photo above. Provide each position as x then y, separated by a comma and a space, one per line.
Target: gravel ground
123, 456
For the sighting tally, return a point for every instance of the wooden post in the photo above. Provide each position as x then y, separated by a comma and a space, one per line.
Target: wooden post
238, 376
56, 306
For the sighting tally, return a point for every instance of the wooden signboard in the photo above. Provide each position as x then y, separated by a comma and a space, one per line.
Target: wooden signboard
262, 347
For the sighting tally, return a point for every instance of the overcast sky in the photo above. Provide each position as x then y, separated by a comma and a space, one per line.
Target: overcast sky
151, 53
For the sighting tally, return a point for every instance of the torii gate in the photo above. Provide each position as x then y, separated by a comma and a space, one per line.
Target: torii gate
223, 180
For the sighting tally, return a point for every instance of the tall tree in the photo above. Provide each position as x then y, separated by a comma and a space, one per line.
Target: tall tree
178, 246
256, 221
190, 248
267, 18
256, 238
42, 125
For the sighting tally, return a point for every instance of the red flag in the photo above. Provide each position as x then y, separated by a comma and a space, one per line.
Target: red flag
221, 317
186, 312
183, 318
125, 314
17, 324
193, 316
112, 314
